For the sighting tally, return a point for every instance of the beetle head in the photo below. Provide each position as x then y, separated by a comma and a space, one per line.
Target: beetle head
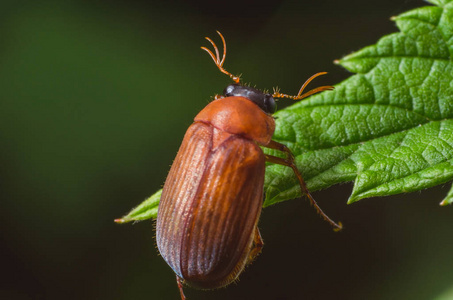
265, 101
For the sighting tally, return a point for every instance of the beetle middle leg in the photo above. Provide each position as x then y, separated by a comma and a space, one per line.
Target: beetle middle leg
289, 162
257, 245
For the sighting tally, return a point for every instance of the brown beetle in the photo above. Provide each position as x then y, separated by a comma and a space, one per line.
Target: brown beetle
211, 201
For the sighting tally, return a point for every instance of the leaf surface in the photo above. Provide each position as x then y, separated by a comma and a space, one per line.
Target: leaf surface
388, 128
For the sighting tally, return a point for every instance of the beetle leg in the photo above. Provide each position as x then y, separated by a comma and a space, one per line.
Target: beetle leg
281, 147
179, 281
257, 245
289, 162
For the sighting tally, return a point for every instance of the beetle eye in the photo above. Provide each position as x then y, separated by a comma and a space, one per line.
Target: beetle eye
229, 90
269, 104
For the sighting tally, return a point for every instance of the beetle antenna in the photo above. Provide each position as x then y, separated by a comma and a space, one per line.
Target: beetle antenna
300, 96
216, 58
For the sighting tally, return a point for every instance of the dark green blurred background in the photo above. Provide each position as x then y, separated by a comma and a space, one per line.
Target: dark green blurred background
95, 97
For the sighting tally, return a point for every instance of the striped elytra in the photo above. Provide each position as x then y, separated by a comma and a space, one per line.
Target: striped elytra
212, 197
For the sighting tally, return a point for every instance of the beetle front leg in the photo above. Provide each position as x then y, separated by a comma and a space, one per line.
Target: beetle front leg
289, 162
179, 281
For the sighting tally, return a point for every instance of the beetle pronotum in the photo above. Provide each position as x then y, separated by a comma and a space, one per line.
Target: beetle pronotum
211, 201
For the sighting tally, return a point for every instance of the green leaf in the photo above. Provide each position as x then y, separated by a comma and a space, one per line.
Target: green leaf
146, 210
389, 128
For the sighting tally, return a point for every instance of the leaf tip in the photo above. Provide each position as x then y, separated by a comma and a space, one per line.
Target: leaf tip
444, 202
337, 61
119, 221
353, 199
393, 18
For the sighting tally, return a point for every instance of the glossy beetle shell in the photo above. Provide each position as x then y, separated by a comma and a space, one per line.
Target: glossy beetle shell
212, 198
